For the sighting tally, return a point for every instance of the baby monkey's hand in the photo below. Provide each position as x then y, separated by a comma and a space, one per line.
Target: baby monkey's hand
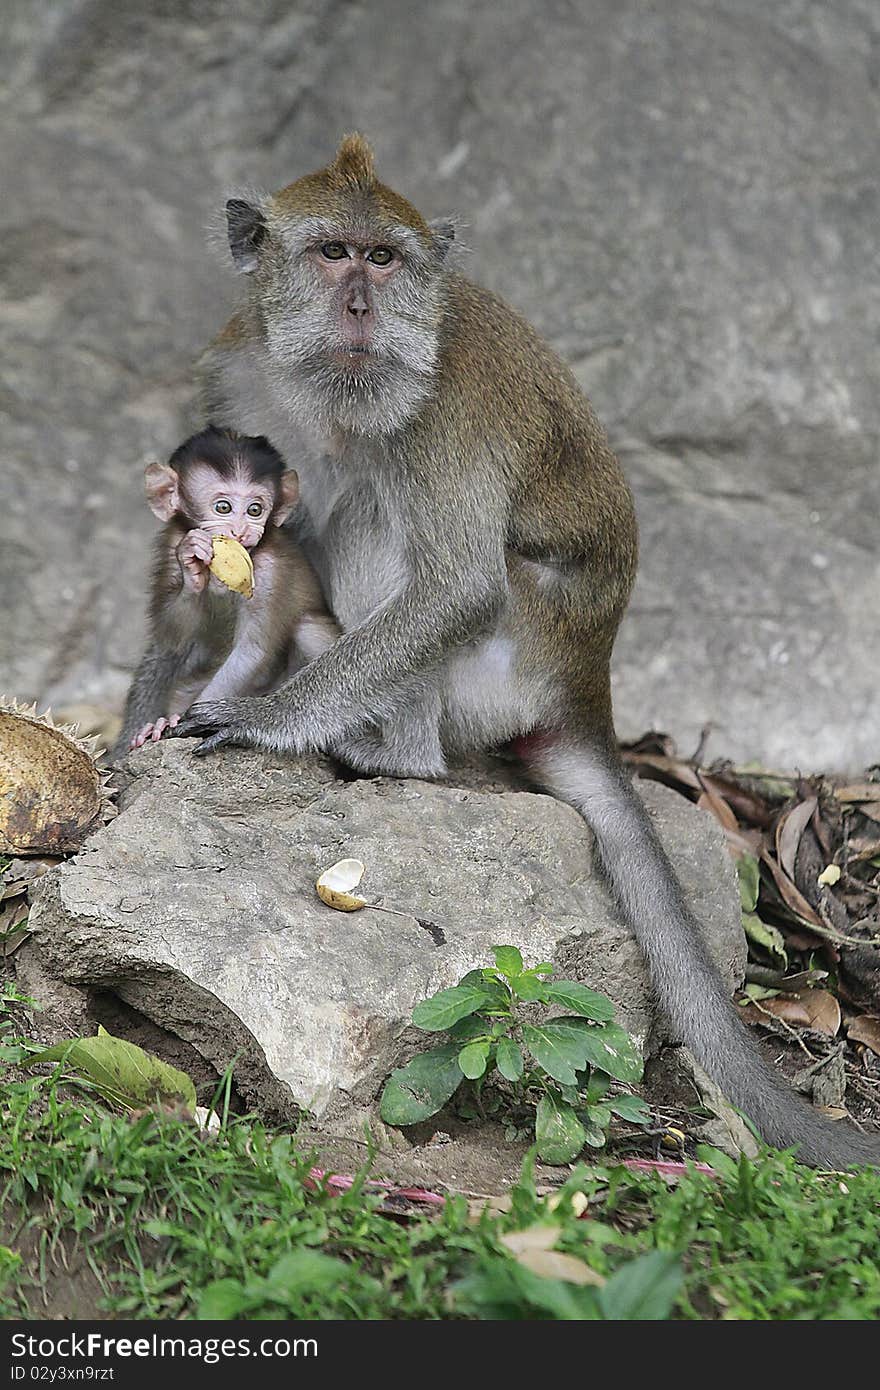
195, 552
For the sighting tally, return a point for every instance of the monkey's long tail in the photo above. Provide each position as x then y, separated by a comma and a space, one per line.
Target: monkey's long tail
689, 986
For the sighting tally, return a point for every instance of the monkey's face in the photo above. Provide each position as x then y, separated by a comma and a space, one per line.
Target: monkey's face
237, 506
349, 283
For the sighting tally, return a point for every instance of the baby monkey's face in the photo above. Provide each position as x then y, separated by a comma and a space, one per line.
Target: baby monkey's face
236, 506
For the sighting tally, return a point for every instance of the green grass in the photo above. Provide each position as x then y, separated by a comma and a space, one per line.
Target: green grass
767, 1239
175, 1225
164, 1212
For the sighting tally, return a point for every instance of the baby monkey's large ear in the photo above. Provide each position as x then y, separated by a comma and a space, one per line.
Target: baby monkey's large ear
288, 496
163, 490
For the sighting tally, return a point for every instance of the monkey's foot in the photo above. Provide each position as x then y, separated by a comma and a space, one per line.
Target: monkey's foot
153, 732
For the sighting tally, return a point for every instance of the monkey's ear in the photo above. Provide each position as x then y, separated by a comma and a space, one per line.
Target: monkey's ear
163, 493
288, 495
442, 236
247, 228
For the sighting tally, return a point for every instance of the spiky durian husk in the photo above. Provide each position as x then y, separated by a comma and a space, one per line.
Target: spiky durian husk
52, 794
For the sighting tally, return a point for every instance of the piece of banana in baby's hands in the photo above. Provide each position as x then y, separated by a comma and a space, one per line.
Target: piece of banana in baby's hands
232, 565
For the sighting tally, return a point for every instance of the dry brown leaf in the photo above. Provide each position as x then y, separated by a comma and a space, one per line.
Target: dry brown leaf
806, 941
865, 1029
11, 945
552, 1264
24, 871
668, 770
791, 896
533, 1248
859, 791
860, 847
789, 830
744, 804
744, 842
652, 742
826, 826
14, 931
537, 1237
810, 1008
718, 807
496, 1205
823, 1010
12, 914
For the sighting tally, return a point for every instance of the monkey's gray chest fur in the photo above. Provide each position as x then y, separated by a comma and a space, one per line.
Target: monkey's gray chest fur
356, 538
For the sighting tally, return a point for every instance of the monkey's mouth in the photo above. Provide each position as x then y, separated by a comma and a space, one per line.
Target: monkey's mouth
355, 357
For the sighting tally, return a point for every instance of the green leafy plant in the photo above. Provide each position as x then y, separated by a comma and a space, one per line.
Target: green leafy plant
563, 1066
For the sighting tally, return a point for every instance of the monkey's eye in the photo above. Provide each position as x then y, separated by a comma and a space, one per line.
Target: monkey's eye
381, 255
255, 509
222, 508
333, 251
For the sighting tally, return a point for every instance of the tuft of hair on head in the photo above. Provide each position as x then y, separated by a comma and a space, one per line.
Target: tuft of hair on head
228, 452
354, 163
345, 191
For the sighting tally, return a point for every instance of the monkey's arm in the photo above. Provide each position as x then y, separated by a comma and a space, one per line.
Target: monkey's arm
150, 695
174, 621
457, 582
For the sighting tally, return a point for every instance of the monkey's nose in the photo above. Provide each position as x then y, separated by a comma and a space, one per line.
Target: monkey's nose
358, 305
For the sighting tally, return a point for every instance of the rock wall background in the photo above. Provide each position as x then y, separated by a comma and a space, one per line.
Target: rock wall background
684, 198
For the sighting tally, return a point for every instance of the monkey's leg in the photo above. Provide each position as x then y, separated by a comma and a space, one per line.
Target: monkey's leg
407, 744
315, 634
245, 669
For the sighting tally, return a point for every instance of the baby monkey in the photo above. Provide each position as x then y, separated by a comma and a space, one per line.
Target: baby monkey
208, 642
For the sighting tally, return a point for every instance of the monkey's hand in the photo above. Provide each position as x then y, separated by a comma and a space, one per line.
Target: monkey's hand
237, 723
195, 553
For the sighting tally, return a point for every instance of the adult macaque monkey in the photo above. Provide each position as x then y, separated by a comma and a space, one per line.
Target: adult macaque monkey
476, 541
205, 639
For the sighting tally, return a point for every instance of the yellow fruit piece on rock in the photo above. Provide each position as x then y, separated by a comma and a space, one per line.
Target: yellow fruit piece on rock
233, 566
335, 885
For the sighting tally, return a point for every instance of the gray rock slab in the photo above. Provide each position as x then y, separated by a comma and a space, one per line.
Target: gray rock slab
197, 906
683, 197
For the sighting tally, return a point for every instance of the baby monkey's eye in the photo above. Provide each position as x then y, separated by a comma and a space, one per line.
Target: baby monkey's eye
333, 250
222, 507
255, 509
381, 255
